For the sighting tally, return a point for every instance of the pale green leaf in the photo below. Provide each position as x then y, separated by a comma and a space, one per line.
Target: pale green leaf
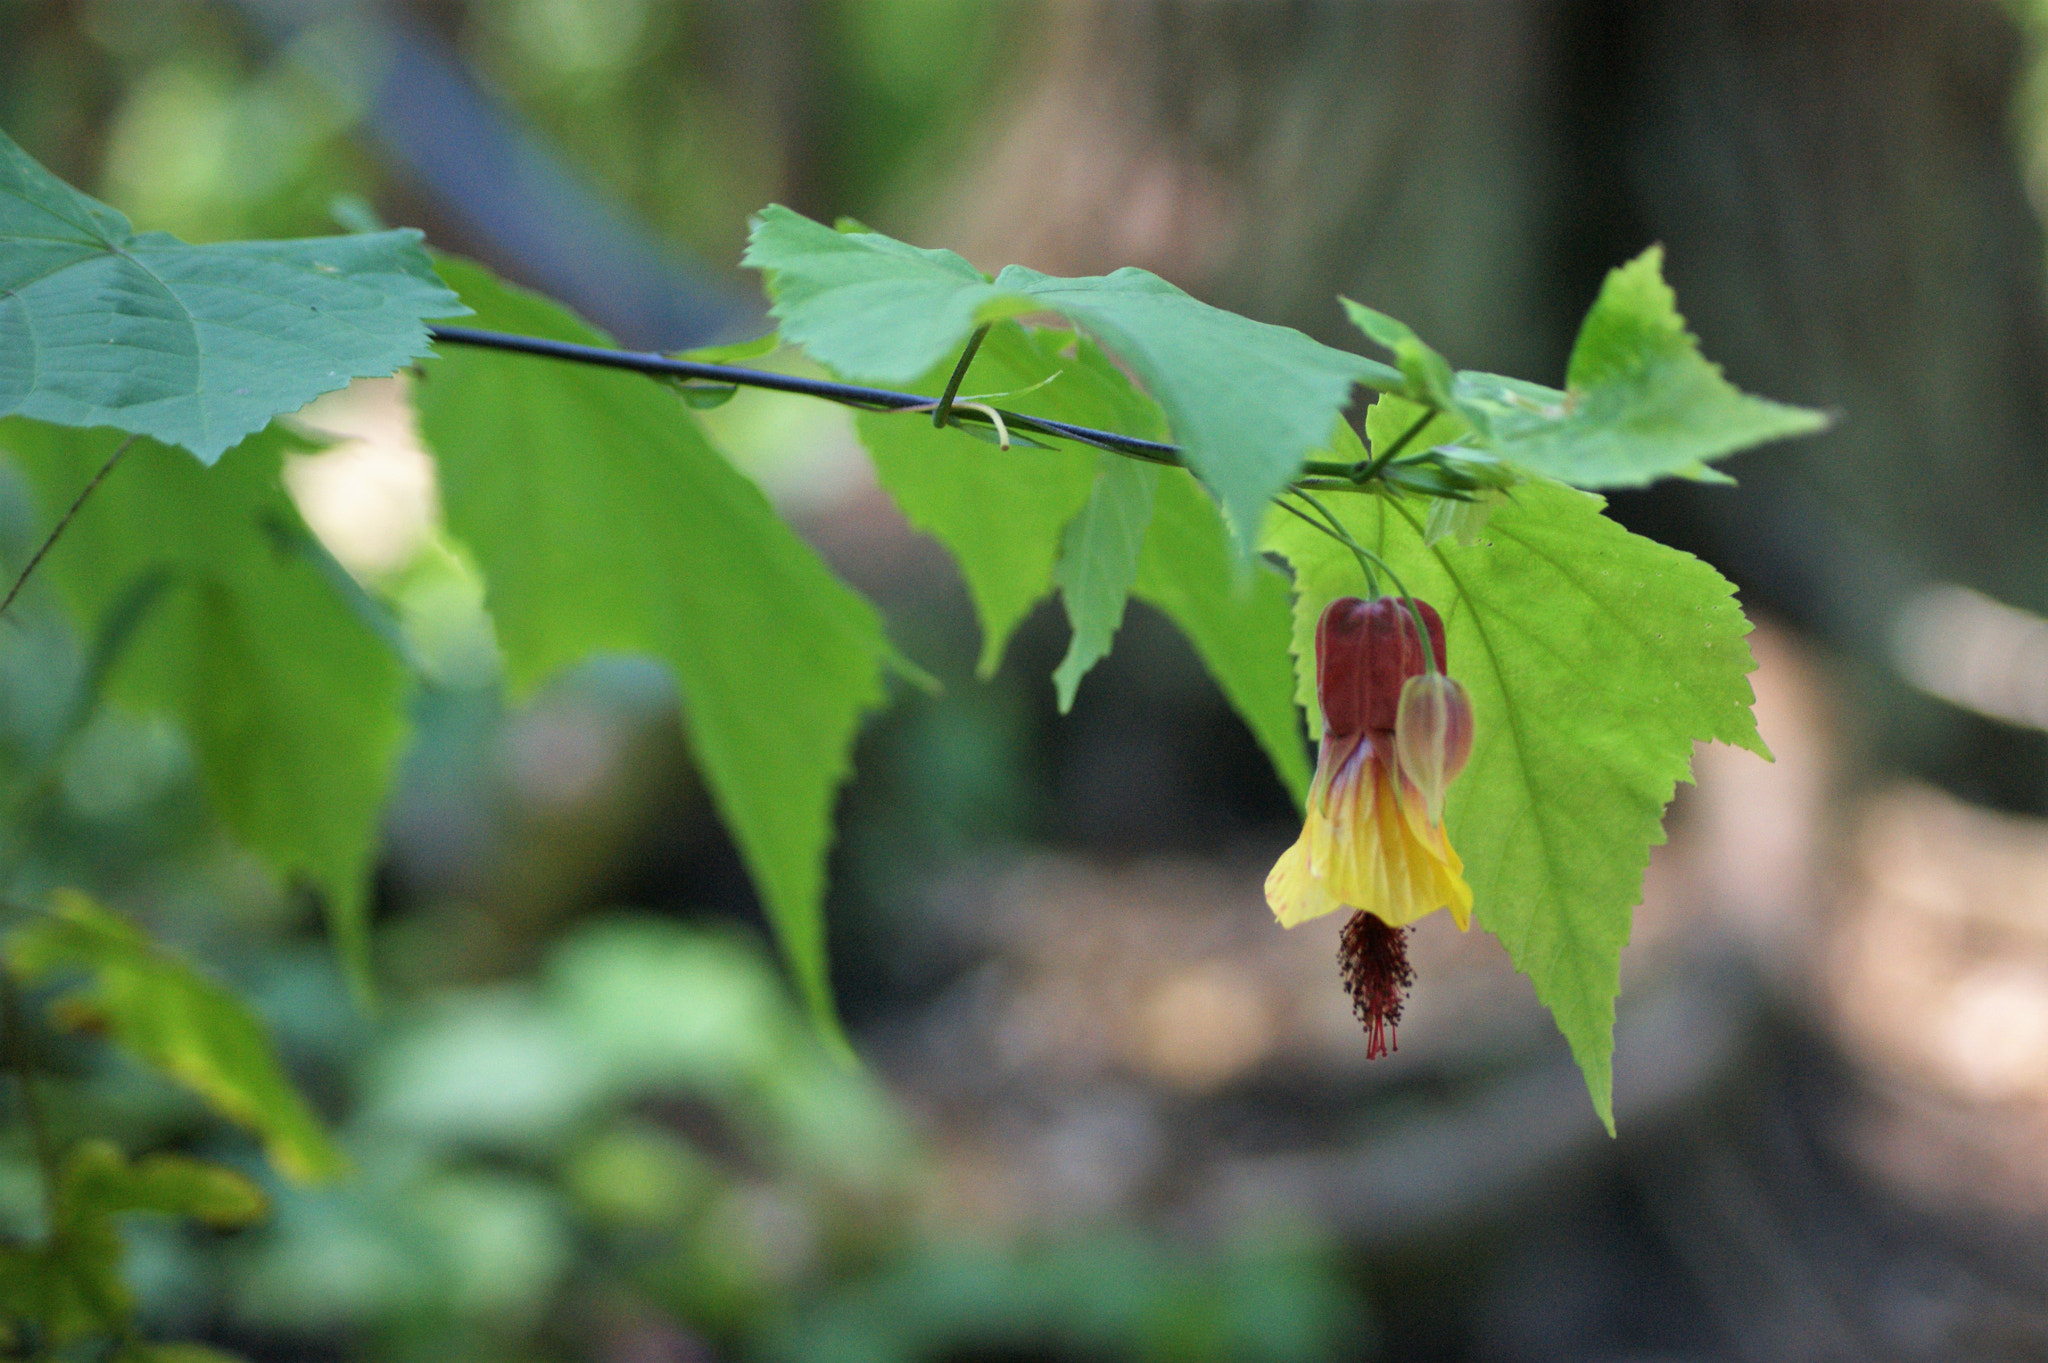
869, 306
1595, 659
604, 522
175, 1019
1641, 402
998, 512
191, 345
295, 706
1099, 562
1238, 622
1247, 401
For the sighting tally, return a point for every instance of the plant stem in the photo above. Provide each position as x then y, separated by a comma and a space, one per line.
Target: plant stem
1336, 532
846, 394
65, 520
1381, 460
945, 407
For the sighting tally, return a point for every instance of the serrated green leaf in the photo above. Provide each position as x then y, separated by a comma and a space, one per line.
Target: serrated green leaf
1595, 659
1002, 517
869, 306
191, 345
180, 1022
1099, 563
1641, 402
295, 707
604, 522
1246, 400
998, 512
1238, 623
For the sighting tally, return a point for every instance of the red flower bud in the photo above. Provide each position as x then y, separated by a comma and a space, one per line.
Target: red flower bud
1365, 652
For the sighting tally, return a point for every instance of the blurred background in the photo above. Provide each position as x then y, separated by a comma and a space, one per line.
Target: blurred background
1111, 1111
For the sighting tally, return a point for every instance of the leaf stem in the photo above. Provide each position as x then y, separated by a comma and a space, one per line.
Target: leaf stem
1393, 451
64, 521
945, 407
1336, 532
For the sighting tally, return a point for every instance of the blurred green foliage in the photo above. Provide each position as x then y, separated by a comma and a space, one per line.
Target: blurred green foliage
193, 120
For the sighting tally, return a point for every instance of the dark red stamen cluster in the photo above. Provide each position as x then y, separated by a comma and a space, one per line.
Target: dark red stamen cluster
1374, 961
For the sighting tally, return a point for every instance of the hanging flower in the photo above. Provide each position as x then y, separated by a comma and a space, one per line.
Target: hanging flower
1395, 733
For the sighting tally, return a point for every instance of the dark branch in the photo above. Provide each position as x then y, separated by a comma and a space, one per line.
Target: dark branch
846, 394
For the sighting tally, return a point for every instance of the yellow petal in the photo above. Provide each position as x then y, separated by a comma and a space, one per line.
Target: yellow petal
1292, 890
1380, 852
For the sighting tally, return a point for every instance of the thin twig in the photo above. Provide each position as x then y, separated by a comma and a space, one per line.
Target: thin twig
868, 399
65, 520
944, 408
846, 394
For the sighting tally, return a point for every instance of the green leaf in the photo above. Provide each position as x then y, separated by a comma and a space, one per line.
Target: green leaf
1238, 622
295, 707
1641, 402
604, 522
191, 345
98, 1180
867, 305
1246, 400
71, 1284
179, 1021
1595, 659
1427, 373
998, 512
1099, 563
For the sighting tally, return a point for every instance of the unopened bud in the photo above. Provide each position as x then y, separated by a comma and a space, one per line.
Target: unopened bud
1432, 736
1365, 650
